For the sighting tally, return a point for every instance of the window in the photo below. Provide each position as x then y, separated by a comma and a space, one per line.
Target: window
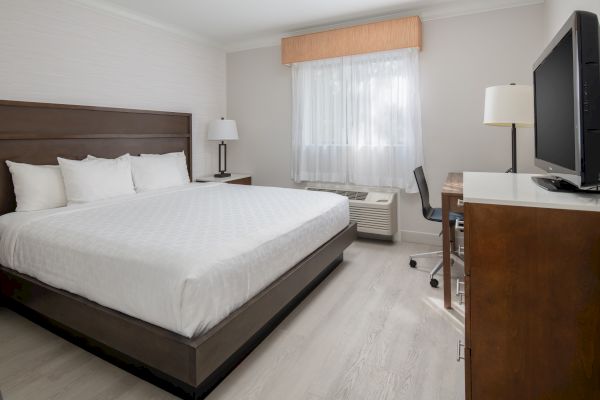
357, 119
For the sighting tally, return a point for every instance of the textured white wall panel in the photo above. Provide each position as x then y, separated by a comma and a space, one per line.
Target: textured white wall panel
60, 51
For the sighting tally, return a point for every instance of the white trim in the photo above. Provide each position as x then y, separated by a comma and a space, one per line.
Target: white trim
441, 11
103, 6
420, 237
471, 7
256, 43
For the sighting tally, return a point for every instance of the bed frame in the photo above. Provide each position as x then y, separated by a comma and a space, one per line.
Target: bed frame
37, 133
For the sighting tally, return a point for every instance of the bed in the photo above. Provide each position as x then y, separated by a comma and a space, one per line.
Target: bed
261, 249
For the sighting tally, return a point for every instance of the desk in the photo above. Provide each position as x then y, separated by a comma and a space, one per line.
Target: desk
452, 194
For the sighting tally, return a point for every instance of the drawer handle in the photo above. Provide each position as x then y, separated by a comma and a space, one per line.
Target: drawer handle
459, 355
460, 202
460, 293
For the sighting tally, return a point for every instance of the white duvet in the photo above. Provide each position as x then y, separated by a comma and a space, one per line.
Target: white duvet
183, 258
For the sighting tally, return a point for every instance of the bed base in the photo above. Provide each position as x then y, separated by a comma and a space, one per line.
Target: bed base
37, 133
188, 368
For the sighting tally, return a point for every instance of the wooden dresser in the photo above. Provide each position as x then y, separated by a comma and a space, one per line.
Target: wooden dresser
532, 288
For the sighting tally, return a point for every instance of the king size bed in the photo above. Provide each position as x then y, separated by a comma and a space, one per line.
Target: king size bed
176, 285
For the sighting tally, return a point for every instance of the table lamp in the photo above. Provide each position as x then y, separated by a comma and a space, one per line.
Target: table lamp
509, 105
221, 130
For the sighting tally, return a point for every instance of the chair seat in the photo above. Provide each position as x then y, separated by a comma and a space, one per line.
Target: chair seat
436, 215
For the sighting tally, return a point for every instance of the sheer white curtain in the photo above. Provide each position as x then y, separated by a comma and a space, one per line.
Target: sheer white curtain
319, 131
357, 120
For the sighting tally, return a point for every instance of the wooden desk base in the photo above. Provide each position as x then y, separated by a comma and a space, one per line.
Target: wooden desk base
452, 192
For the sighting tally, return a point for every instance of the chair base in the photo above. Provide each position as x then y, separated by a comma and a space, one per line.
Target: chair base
431, 254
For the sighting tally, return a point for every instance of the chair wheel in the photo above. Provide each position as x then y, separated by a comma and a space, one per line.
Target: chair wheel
412, 263
434, 283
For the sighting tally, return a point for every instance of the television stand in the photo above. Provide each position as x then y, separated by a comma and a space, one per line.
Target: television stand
526, 247
555, 184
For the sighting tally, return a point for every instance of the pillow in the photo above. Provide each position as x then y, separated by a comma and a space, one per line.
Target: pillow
96, 179
91, 157
181, 163
151, 173
37, 187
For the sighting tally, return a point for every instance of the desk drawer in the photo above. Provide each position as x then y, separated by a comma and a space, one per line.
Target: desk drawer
456, 204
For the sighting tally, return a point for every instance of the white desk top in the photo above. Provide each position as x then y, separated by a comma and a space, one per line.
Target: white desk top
520, 190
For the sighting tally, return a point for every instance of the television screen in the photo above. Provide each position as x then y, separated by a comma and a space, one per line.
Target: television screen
554, 106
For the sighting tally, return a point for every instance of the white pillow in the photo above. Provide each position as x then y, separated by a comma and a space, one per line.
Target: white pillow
91, 157
96, 179
181, 163
151, 173
37, 187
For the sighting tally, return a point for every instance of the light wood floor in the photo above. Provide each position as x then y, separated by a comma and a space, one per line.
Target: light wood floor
374, 329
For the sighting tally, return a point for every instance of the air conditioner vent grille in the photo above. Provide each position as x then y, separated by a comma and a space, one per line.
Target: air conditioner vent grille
375, 213
350, 194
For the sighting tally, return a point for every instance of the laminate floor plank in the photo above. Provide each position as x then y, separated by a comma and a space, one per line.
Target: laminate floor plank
374, 329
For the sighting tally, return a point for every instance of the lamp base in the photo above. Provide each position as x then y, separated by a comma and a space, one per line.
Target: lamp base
223, 175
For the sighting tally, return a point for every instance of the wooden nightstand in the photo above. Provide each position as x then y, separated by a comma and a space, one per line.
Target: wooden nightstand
239, 179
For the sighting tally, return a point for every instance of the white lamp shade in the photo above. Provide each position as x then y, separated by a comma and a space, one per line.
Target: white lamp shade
509, 104
223, 129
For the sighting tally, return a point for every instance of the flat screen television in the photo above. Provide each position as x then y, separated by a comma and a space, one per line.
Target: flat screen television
567, 107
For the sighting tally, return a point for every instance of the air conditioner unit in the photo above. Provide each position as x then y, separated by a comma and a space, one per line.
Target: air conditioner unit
375, 213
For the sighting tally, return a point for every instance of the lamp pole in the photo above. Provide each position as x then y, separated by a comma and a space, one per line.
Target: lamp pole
514, 149
514, 144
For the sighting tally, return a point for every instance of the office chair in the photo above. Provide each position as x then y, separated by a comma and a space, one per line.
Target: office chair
431, 214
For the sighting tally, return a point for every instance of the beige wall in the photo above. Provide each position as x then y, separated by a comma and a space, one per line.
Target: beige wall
60, 51
557, 12
461, 57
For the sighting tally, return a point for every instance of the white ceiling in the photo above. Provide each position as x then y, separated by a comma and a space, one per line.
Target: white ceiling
238, 24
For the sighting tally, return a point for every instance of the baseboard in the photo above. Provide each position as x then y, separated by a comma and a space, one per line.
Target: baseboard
421, 237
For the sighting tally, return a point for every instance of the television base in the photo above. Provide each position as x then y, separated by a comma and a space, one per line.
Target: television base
554, 184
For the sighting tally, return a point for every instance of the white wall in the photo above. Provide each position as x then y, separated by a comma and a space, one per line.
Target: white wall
62, 52
557, 12
461, 56
261, 103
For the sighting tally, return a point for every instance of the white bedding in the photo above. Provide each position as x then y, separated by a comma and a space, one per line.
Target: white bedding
182, 258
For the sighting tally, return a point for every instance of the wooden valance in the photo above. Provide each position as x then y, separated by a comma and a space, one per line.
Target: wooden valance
360, 39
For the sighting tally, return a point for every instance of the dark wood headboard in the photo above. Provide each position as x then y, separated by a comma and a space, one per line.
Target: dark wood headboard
37, 133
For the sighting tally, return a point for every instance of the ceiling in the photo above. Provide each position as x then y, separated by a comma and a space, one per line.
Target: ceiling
238, 24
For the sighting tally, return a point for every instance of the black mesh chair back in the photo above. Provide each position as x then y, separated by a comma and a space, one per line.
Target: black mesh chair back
423, 191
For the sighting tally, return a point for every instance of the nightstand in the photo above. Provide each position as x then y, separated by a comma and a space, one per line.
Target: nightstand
239, 179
